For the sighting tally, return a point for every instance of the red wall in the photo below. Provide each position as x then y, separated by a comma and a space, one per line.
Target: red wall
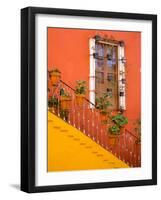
68, 50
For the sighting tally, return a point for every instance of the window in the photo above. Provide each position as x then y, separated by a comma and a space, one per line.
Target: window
107, 70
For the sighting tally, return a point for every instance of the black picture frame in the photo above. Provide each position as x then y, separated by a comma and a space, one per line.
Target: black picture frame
28, 98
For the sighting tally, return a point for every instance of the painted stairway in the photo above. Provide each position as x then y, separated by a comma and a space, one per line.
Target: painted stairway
70, 149
86, 119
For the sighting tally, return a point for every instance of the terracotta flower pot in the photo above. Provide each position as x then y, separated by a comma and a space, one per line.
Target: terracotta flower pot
103, 116
113, 113
55, 77
123, 80
50, 109
65, 103
112, 139
80, 99
55, 110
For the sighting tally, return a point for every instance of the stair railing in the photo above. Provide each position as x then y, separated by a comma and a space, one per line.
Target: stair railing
86, 118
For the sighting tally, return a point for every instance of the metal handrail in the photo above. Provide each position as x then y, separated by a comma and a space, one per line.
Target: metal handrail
131, 134
95, 107
75, 90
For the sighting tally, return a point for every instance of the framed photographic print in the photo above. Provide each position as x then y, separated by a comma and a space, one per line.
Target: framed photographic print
88, 99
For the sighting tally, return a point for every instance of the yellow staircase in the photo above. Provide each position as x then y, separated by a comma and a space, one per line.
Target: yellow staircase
70, 149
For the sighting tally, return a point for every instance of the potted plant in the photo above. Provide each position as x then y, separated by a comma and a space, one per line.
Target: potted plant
137, 130
50, 104
122, 43
80, 92
120, 121
114, 132
113, 113
65, 99
64, 114
97, 38
121, 93
121, 72
123, 80
55, 76
53, 104
109, 92
109, 57
102, 104
103, 116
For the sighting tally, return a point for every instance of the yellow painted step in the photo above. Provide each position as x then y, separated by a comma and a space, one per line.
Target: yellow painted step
70, 149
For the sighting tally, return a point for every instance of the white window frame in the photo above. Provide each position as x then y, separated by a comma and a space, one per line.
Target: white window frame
121, 73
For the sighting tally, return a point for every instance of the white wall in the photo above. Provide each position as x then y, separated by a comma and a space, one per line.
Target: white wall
10, 98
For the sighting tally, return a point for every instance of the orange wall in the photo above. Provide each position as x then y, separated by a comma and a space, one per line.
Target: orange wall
68, 50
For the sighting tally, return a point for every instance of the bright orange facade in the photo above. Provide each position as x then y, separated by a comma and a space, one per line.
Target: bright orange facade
68, 50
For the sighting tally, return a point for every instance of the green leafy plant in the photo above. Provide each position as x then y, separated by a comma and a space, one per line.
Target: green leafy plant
109, 92
64, 93
53, 102
65, 99
120, 120
55, 76
64, 114
103, 103
80, 87
55, 71
114, 130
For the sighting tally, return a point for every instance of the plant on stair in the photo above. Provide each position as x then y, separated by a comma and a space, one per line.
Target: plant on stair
118, 123
80, 92
102, 104
49, 89
114, 130
113, 133
50, 104
55, 76
65, 103
137, 129
53, 104
64, 114
65, 99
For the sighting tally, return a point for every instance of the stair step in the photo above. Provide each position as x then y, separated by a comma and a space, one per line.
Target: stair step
73, 151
